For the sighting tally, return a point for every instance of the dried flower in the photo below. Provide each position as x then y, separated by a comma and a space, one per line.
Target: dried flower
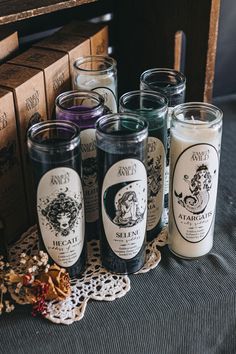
35, 281
59, 283
4, 305
9, 307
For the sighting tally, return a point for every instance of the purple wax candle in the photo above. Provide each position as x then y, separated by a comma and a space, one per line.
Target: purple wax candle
84, 108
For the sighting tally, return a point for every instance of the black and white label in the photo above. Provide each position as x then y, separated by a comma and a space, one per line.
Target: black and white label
89, 163
194, 190
124, 207
167, 169
60, 207
104, 84
109, 97
155, 175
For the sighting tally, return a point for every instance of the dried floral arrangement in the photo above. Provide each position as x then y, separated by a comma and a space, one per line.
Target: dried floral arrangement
28, 279
34, 282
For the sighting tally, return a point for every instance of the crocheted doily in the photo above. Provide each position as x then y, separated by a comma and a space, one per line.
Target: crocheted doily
96, 282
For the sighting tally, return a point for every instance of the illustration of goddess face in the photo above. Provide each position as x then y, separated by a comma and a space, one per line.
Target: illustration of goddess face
154, 177
153, 185
64, 220
127, 210
62, 213
196, 200
90, 171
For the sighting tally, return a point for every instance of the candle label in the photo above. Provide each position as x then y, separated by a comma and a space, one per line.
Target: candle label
195, 179
167, 169
89, 163
109, 97
155, 172
124, 207
61, 215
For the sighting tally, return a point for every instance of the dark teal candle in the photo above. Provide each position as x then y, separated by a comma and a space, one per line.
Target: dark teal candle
121, 145
172, 84
152, 107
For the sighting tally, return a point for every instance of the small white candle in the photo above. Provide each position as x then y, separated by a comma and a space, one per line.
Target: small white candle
103, 84
97, 73
194, 166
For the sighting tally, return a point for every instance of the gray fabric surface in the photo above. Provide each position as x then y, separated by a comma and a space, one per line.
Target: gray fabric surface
180, 307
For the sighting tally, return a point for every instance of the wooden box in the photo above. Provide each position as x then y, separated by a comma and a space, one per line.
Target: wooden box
55, 66
74, 46
97, 33
13, 209
30, 105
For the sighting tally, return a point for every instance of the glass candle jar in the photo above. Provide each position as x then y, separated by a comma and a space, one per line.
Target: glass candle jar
121, 144
54, 150
84, 108
172, 84
152, 107
195, 141
97, 73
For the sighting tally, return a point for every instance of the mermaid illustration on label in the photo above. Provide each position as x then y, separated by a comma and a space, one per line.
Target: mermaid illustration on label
199, 187
154, 176
61, 213
127, 211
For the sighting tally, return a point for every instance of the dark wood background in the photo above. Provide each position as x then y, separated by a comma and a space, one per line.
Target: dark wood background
142, 34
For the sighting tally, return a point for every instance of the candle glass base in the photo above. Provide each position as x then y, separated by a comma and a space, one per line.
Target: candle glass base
188, 258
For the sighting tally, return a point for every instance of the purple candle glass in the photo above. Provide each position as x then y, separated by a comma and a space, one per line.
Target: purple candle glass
84, 108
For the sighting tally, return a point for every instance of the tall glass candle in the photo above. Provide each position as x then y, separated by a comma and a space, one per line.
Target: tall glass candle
121, 143
152, 107
195, 141
84, 108
54, 149
172, 84
97, 73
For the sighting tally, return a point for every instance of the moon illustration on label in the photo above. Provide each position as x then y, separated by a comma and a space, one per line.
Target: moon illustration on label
125, 203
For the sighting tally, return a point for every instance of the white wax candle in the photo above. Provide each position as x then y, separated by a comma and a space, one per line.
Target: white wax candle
105, 84
194, 167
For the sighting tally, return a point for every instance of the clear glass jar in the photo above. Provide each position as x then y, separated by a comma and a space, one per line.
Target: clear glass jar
97, 73
195, 142
121, 144
152, 107
84, 108
172, 84
54, 150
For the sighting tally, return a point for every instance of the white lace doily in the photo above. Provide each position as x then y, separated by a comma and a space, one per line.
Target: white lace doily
95, 284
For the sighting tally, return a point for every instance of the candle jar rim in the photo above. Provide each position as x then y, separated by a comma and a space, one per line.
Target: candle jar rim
177, 75
80, 94
145, 94
41, 127
179, 112
103, 59
116, 117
